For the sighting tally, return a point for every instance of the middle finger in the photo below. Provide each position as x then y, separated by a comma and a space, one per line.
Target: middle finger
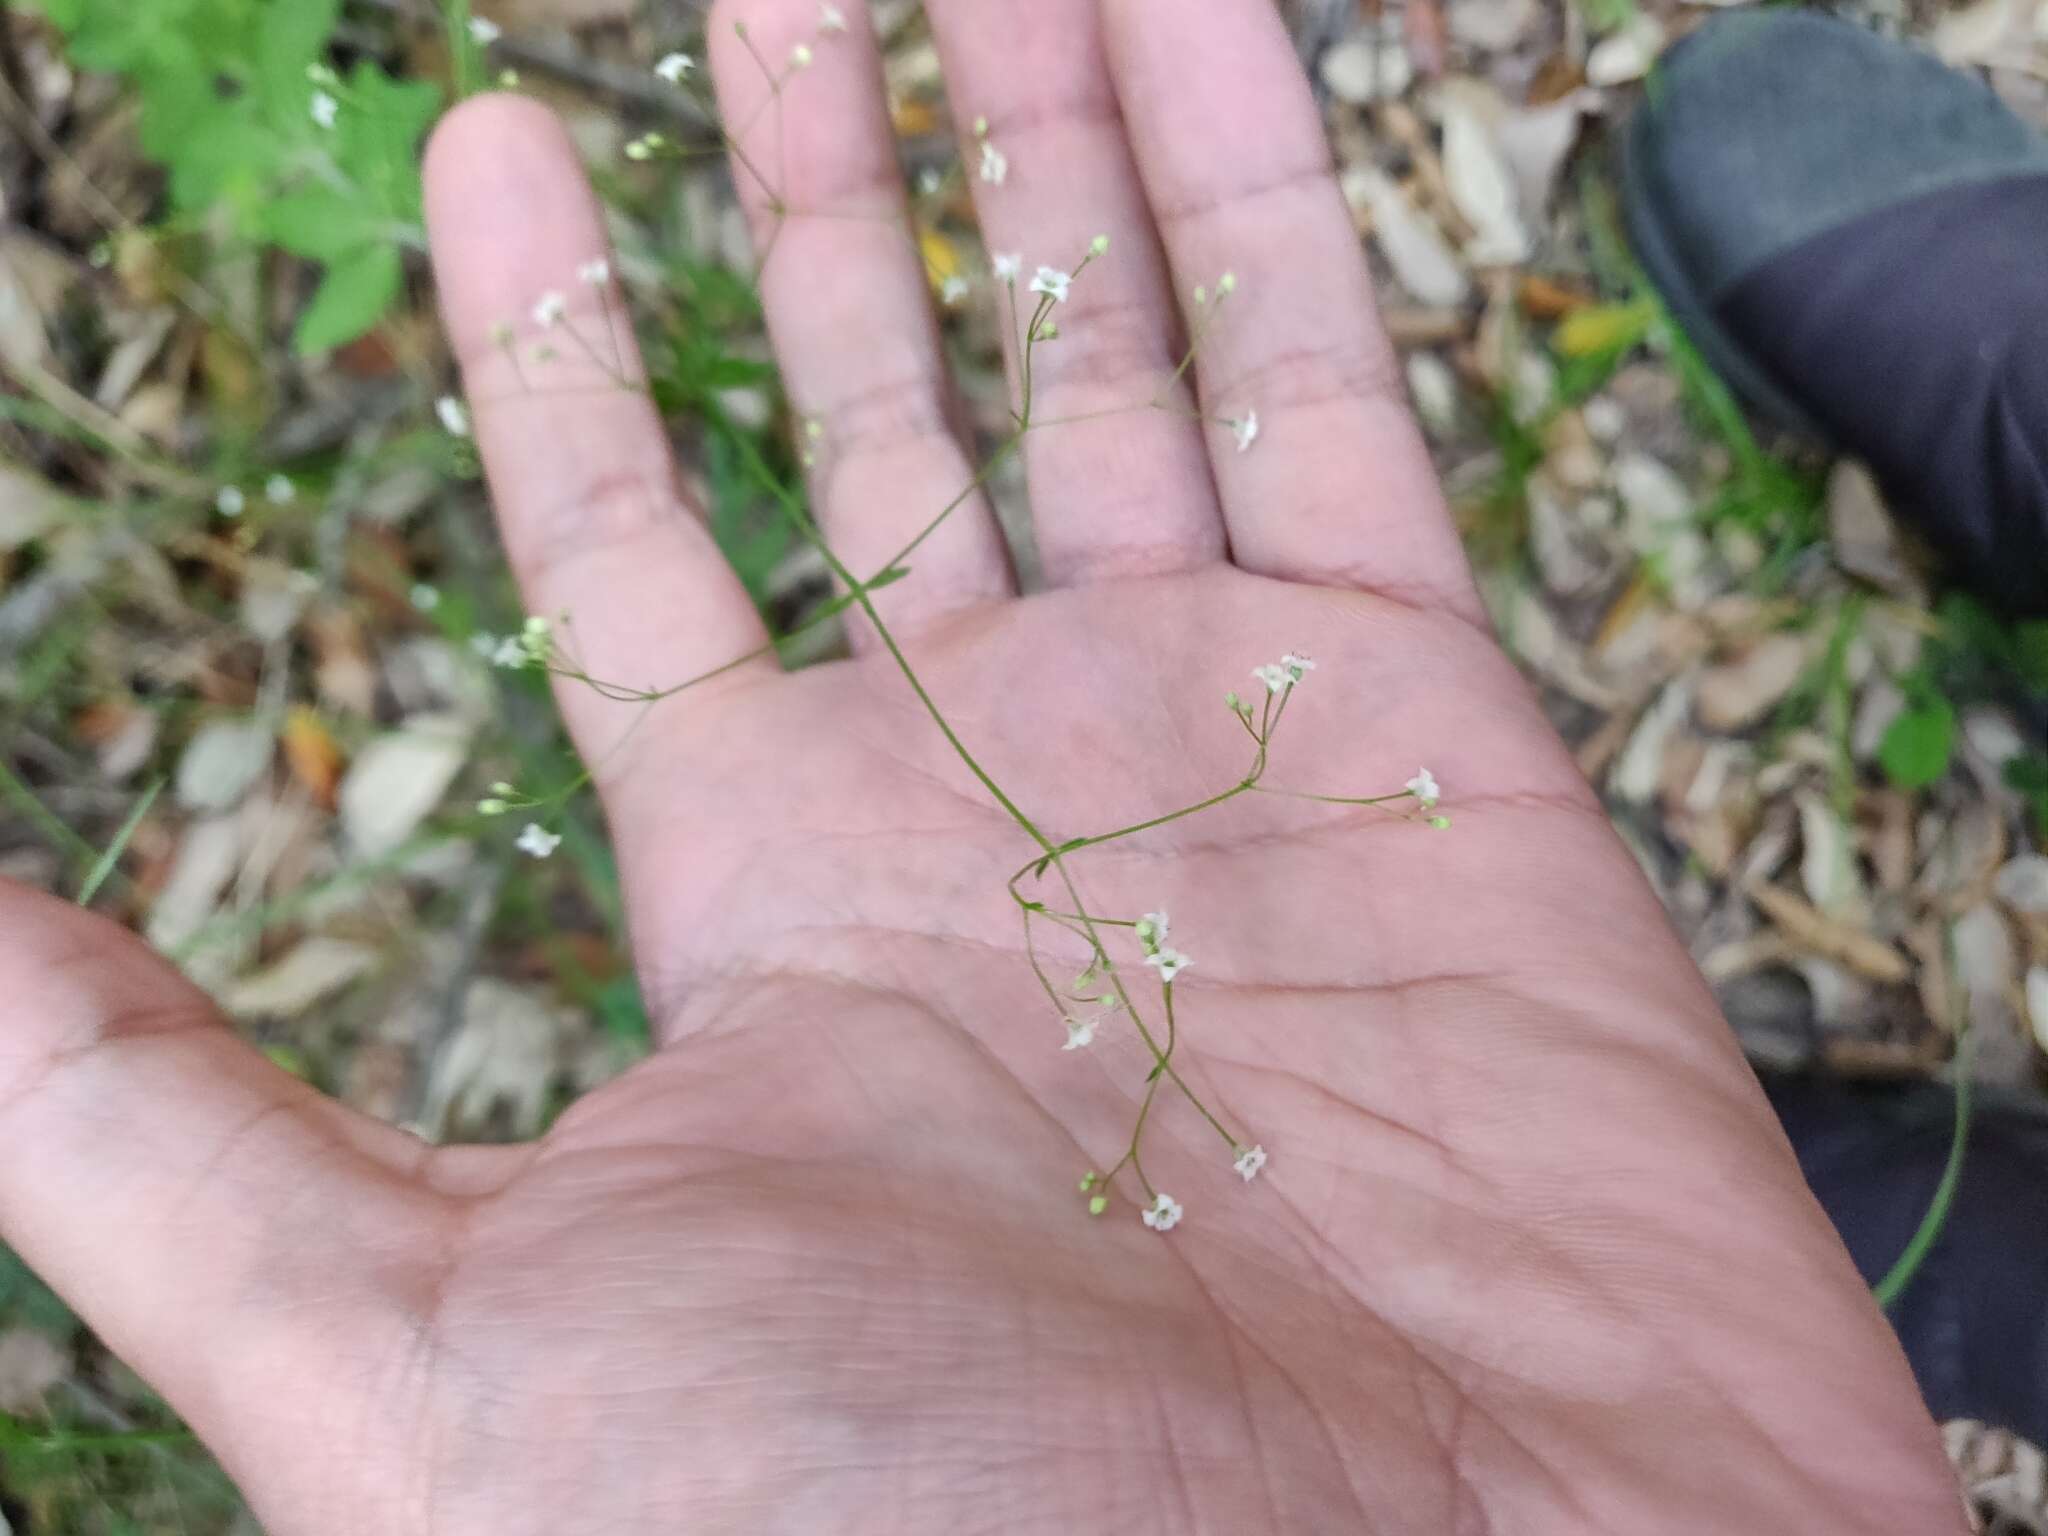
1123, 493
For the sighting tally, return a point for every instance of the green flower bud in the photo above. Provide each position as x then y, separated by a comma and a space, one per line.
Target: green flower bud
1098, 1205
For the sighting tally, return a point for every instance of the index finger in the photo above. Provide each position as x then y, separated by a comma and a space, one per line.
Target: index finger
594, 521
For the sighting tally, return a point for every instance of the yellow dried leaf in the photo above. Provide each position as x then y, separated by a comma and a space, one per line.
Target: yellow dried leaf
313, 754
1601, 328
914, 117
941, 257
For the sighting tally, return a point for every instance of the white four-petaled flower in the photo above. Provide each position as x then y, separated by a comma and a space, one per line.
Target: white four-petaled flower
486, 32
1168, 962
1245, 430
1080, 1033
1007, 266
674, 66
537, 840
454, 416
230, 502
1249, 1161
324, 109
1276, 677
1424, 788
1153, 928
1164, 1213
995, 165
279, 491
1053, 283
595, 273
549, 309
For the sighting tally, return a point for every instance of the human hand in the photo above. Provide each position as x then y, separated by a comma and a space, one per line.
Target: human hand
1531, 1254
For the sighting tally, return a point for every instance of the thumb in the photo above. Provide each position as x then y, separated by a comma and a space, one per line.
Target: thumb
255, 1249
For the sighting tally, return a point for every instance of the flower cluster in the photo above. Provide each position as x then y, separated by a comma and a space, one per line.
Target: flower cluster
533, 646
1283, 674
1152, 933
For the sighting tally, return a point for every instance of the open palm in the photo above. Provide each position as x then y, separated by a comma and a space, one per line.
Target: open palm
1530, 1255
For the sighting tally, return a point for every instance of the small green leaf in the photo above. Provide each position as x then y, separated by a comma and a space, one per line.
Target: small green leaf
352, 298
1916, 749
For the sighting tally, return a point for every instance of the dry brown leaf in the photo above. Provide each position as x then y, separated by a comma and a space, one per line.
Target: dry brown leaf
311, 972
1739, 693
1812, 930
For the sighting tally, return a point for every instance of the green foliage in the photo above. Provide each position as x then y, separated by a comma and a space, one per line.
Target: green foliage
696, 364
1916, 747
227, 90
2028, 773
1972, 654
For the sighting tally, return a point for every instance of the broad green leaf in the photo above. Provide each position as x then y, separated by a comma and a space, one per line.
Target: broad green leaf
352, 297
319, 223
293, 34
1916, 749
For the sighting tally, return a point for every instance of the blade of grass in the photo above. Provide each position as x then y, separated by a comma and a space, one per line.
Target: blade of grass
104, 865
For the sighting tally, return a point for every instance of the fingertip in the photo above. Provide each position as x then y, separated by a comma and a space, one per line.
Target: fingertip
510, 213
498, 126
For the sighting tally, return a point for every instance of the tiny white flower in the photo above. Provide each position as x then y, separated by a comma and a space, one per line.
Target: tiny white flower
485, 645
1153, 928
1008, 266
929, 180
1053, 283
427, 598
953, 290
831, 18
995, 165
1168, 962
510, 653
230, 502
549, 309
454, 416
1249, 1162
595, 274
324, 109
800, 56
486, 32
1080, 1033
1424, 788
1164, 1213
1297, 664
1246, 430
280, 491
537, 840
674, 66
1276, 678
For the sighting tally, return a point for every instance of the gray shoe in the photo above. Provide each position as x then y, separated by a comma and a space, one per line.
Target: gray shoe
1856, 237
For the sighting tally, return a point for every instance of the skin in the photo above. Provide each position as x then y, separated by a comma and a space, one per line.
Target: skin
1531, 1255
